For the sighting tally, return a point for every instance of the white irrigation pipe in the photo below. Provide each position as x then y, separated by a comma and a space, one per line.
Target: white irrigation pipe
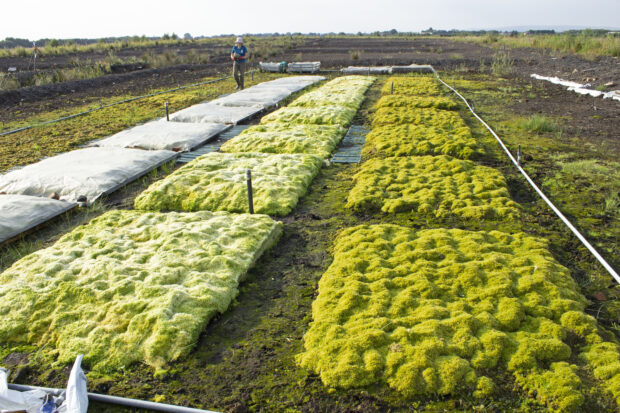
583, 240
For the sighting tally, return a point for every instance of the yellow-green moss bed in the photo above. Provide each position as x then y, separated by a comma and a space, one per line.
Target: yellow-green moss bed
412, 86
217, 182
440, 186
131, 286
319, 140
397, 101
442, 119
319, 115
407, 140
351, 97
435, 312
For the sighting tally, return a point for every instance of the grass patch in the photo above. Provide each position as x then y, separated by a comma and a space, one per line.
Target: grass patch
538, 124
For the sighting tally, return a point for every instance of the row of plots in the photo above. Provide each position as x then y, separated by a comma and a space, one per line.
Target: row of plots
445, 311
140, 285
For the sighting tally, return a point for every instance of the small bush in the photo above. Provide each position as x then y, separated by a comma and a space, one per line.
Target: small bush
539, 124
502, 64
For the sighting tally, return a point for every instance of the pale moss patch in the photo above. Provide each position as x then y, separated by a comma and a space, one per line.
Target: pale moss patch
319, 115
432, 185
399, 101
319, 140
131, 286
412, 86
407, 140
428, 312
217, 182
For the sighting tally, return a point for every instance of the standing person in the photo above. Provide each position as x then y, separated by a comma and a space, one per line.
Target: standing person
238, 55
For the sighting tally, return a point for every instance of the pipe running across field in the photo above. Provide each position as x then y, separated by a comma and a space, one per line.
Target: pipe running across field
122, 401
570, 226
75, 115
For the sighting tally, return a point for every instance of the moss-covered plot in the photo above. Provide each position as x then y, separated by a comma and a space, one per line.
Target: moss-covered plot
351, 98
412, 86
442, 119
320, 115
432, 185
398, 101
319, 140
131, 286
217, 182
432, 311
408, 140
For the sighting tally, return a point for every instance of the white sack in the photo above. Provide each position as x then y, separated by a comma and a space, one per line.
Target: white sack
19, 213
210, 113
15, 400
90, 172
77, 394
164, 135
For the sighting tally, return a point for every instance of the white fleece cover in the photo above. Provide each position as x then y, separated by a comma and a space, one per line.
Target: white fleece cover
364, 70
578, 87
19, 213
258, 97
212, 113
164, 135
90, 172
291, 83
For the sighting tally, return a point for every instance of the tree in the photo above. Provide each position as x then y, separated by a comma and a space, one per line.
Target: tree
187, 36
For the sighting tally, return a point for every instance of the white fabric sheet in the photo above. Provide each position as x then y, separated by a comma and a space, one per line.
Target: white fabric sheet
90, 172
578, 87
164, 135
212, 113
19, 213
258, 97
364, 70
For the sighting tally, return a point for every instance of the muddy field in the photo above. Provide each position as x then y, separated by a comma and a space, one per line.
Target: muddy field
245, 359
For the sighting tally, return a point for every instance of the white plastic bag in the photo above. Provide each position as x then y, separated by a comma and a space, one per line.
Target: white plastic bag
31, 401
77, 395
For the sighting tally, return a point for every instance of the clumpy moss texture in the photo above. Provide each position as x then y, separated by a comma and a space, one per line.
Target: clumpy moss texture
432, 185
409, 140
433, 311
398, 101
319, 140
320, 115
131, 286
443, 119
217, 182
412, 86
350, 98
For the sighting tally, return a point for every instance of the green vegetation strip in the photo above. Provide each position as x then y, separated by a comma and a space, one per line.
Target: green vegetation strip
319, 140
434, 311
351, 98
321, 115
408, 140
216, 182
412, 86
432, 185
443, 119
398, 101
131, 286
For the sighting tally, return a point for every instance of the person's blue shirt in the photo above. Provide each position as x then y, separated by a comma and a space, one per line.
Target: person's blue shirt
241, 51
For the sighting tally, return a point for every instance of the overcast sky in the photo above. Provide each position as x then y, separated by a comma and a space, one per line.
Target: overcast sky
88, 19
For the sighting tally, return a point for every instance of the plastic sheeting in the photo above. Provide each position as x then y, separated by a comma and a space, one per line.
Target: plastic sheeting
578, 87
291, 83
89, 172
413, 68
13, 400
212, 113
304, 67
164, 135
258, 97
19, 213
366, 70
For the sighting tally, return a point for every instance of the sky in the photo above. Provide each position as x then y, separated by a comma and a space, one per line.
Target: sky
64, 19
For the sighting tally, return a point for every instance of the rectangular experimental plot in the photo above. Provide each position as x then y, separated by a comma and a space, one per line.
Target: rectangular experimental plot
319, 140
443, 119
412, 86
320, 115
291, 83
212, 113
89, 172
430, 312
164, 135
408, 139
351, 98
131, 286
439, 186
20, 213
399, 101
217, 182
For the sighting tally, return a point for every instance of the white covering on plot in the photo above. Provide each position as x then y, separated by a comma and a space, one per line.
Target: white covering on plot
258, 97
89, 172
164, 135
19, 213
578, 87
212, 113
365, 70
304, 67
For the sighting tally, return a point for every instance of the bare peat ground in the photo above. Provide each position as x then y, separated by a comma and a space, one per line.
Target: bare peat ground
244, 360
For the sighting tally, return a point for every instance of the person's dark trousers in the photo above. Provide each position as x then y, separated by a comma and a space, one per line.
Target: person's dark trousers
238, 72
